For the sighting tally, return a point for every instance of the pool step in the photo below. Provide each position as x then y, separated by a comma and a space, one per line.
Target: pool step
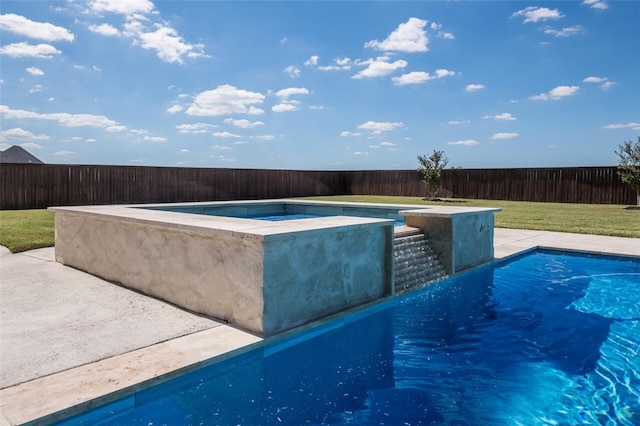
416, 263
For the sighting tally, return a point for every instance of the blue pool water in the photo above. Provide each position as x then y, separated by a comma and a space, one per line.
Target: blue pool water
546, 338
292, 216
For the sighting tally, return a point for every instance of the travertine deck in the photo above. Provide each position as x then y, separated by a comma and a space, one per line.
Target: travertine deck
137, 346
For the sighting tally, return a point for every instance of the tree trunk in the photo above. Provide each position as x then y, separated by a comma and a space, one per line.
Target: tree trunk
638, 196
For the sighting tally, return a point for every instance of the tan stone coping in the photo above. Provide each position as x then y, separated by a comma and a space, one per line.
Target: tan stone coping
58, 396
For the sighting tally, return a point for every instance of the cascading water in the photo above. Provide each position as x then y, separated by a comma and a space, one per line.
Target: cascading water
416, 263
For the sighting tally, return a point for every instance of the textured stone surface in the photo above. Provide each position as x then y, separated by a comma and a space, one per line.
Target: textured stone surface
261, 276
462, 237
309, 276
219, 275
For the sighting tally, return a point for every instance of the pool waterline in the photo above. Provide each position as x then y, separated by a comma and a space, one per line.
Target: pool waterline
460, 325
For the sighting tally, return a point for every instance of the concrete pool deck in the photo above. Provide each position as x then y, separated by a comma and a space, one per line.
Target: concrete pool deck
67, 337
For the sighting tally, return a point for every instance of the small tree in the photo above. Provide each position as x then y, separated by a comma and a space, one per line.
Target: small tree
629, 165
431, 169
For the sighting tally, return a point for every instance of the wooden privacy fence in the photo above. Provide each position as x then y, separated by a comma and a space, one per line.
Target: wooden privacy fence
589, 185
29, 186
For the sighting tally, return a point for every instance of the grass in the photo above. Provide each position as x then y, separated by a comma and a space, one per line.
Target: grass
22, 230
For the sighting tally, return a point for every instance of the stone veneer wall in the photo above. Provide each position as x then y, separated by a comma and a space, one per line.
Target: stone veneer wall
263, 283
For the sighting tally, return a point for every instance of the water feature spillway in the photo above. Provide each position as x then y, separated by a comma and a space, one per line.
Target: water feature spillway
416, 262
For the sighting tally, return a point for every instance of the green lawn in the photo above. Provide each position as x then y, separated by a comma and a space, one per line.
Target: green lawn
22, 230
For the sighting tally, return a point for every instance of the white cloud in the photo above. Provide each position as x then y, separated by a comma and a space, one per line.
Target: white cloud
348, 133
243, 123
408, 37
633, 126
285, 107
293, 71
148, 33
64, 119
390, 144
184, 151
24, 49
379, 67
195, 128
377, 128
537, 14
175, 108
104, 29
63, 153
417, 77
18, 134
594, 80
596, 4
35, 89
35, 71
263, 137
124, 7
340, 64
474, 87
504, 135
505, 116
225, 135
291, 91
286, 103
556, 93
360, 153
223, 158
39, 30
456, 122
221, 148
606, 83
467, 142
225, 100
169, 45
564, 32
435, 26
344, 63
154, 139
255, 111
313, 60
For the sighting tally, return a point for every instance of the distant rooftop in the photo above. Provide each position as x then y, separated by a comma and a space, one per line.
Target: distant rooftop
17, 154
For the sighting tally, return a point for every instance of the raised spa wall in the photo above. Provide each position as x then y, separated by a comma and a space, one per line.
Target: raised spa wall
265, 277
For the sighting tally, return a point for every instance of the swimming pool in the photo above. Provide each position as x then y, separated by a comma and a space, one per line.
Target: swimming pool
545, 338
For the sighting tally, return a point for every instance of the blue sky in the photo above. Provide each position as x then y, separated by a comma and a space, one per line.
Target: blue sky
320, 85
